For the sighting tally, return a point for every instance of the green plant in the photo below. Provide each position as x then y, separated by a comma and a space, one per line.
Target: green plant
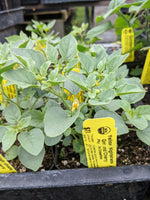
137, 17
53, 98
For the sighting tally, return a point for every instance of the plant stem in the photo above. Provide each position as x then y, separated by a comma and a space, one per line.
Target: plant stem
90, 113
147, 24
34, 104
64, 102
122, 15
17, 97
85, 103
9, 98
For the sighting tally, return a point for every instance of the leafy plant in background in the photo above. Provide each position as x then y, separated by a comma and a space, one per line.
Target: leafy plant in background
137, 17
53, 98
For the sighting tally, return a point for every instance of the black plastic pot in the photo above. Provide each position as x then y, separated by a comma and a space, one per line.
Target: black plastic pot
114, 183
8, 20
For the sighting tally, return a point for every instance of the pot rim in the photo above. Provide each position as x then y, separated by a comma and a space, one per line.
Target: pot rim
74, 177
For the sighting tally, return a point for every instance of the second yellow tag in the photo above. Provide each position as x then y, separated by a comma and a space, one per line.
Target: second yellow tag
5, 167
100, 140
127, 40
145, 78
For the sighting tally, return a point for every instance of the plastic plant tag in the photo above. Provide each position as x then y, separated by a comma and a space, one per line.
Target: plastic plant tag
127, 40
9, 90
100, 141
5, 167
145, 78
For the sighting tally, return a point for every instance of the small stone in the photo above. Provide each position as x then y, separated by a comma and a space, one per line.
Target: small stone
118, 155
77, 164
73, 158
64, 162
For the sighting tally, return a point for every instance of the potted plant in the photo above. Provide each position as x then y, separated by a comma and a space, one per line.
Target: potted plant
50, 98
129, 15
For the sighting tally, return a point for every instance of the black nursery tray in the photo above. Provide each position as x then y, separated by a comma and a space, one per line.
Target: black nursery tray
114, 183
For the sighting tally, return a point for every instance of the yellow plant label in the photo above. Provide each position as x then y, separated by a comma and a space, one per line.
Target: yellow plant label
145, 78
100, 141
127, 40
5, 167
9, 90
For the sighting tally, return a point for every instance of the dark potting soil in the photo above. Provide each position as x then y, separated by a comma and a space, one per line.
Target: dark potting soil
130, 151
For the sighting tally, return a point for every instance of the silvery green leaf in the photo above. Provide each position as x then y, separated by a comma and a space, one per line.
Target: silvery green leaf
68, 47
67, 132
11, 153
9, 139
139, 122
109, 81
115, 62
37, 56
51, 141
21, 77
67, 140
71, 65
24, 122
98, 30
143, 111
52, 53
78, 80
36, 118
119, 123
144, 135
12, 113
57, 122
100, 53
32, 141
87, 62
44, 67
122, 72
125, 105
91, 80
3, 129
104, 98
30, 161
113, 105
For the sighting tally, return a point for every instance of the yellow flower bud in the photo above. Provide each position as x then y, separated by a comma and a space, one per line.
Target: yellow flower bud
97, 83
75, 104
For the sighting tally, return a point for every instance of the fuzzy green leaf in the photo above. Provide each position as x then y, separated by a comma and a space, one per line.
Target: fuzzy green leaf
119, 123
36, 116
37, 56
57, 122
12, 153
68, 47
87, 62
32, 141
90, 81
30, 161
12, 113
52, 53
144, 135
8, 139
21, 77
51, 141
